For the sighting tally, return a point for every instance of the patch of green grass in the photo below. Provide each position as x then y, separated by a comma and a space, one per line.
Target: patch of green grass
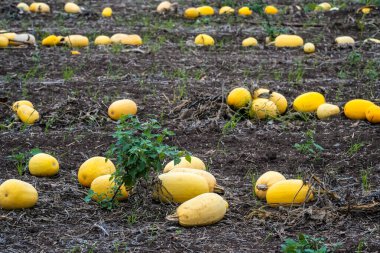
364, 175
307, 244
354, 148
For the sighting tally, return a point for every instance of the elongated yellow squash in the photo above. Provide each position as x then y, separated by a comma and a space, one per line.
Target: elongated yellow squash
308, 102
17, 194
205, 209
205, 10
77, 41
179, 187
285, 40
345, 40
326, 110
72, 8
211, 180
289, 192
195, 163
204, 40
265, 181
356, 108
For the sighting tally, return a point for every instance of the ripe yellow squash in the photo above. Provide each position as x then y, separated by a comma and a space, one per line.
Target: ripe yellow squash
102, 40
206, 10
239, 98
93, 168
163, 7
265, 181
285, 40
77, 41
263, 108
326, 110
17, 194
27, 114
23, 6
132, 40
23, 39
289, 192
211, 180
244, 11
107, 12
122, 107
309, 48
179, 187
39, 8
270, 10
356, 108
226, 10
205, 209
249, 42
4, 41
17, 104
308, 102
104, 188
277, 98
43, 165
204, 40
191, 13
51, 40
373, 114
72, 8
345, 40
195, 163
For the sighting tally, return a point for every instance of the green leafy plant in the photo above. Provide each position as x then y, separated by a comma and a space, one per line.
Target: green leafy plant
355, 148
309, 146
139, 150
307, 244
21, 159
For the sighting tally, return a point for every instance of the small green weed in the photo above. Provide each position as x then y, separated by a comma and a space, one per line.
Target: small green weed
309, 147
307, 244
21, 159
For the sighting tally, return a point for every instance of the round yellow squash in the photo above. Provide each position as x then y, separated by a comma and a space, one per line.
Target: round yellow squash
285, 40
326, 110
265, 181
102, 40
132, 40
366, 10
204, 209
17, 194
204, 40
77, 41
206, 10
179, 187
107, 12
263, 108
4, 41
17, 104
239, 98
244, 11
309, 48
356, 108
195, 163
23, 7
270, 10
191, 13
211, 180
93, 168
289, 192
43, 165
249, 42
277, 98
308, 102
122, 107
104, 188
373, 114
226, 10
72, 8
27, 114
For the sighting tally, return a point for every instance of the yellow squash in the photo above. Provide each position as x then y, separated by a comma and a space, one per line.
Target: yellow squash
212, 185
107, 12
72, 8
204, 40
43, 165
163, 7
277, 98
102, 40
263, 108
195, 163
270, 10
265, 181
239, 98
132, 40
39, 8
17, 104
4, 41
309, 48
77, 41
285, 40
23, 7
345, 40
93, 168
205, 10
323, 7
244, 11
308, 102
226, 10
356, 108
104, 188
205, 209
373, 114
289, 192
122, 107
326, 110
51, 40
249, 42
17, 194
27, 114
191, 13
179, 187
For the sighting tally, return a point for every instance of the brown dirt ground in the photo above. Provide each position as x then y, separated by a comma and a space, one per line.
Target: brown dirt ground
185, 87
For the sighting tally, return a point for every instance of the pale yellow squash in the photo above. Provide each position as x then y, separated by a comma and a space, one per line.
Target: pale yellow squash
326, 111
195, 163
17, 194
263, 108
